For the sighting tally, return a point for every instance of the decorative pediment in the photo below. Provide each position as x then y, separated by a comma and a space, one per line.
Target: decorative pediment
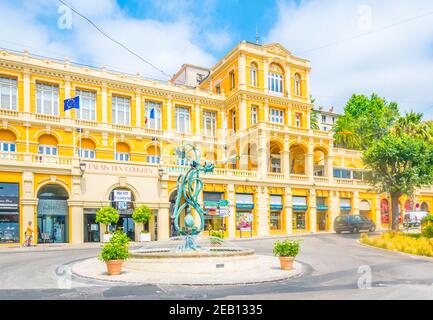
277, 49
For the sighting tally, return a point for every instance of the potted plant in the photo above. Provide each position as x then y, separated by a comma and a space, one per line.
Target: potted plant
107, 216
286, 250
216, 237
142, 215
115, 252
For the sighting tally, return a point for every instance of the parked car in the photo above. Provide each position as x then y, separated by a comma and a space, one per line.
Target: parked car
413, 219
353, 223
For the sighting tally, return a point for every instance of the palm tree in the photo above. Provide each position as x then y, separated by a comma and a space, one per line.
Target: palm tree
345, 134
314, 121
412, 124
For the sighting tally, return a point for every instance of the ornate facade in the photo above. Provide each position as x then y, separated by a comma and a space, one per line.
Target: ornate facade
250, 115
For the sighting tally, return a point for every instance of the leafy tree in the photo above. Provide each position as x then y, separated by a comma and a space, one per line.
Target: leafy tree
365, 120
400, 163
107, 216
142, 214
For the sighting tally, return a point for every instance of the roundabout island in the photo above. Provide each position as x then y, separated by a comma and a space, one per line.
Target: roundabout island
190, 259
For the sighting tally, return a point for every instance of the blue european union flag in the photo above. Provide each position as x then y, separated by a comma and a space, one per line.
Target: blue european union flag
73, 103
152, 113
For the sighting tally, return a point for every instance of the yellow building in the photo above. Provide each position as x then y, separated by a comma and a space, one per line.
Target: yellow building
250, 115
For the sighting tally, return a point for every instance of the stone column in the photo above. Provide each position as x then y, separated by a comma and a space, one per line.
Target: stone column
356, 202
266, 75
263, 153
104, 104
313, 211
266, 111
28, 205
26, 87
334, 207
231, 225
310, 166
288, 211
138, 109
286, 158
263, 211
288, 81
329, 168
75, 205
197, 119
169, 115
243, 113
164, 210
242, 71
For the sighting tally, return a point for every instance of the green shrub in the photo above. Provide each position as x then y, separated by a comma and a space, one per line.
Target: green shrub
287, 248
107, 216
217, 234
142, 214
117, 248
427, 231
427, 219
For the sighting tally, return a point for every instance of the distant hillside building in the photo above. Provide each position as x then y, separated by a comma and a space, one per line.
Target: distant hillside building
326, 119
190, 75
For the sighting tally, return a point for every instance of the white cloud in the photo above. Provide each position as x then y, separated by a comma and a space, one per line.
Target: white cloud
167, 45
396, 62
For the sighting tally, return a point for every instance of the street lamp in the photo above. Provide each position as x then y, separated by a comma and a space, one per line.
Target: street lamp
82, 168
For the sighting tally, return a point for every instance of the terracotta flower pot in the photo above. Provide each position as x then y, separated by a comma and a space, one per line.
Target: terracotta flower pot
114, 267
286, 263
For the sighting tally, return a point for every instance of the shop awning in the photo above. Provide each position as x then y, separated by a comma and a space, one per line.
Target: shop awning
275, 206
298, 207
322, 207
245, 206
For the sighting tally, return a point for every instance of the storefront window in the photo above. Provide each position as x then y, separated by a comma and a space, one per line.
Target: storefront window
299, 213
276, 207
53, 214
299, 222
345, 205
9, 213
214, 220
244, 214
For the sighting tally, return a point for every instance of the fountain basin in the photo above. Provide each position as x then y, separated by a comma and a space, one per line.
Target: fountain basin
207, 260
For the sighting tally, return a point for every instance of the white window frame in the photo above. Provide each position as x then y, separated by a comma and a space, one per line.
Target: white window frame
275, 164
183, 119
47, 99
275, 83
298, 120
276, 116
156, 123
254, 118
7, 146
87, 104
121, 106
122, 156
253, 76
297, 81
9, 91
153, 159
233, 115
87, 153
47, 150
209, 123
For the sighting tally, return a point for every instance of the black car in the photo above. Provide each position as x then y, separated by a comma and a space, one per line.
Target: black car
353, 223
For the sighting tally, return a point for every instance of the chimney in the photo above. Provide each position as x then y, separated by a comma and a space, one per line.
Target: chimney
331, 109
320, 108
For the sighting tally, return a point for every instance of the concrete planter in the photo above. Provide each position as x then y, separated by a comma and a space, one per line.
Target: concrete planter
286, 263
144, 237
114, 267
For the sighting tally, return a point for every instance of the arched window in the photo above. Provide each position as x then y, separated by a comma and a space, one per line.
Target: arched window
297, 84
275, 79
122, 152
253, 74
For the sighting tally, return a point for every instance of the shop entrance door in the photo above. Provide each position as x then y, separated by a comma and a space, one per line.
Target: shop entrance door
126, 224
91, 228
321, 221
52, 229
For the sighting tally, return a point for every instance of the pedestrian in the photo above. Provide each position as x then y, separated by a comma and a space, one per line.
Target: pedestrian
29, 235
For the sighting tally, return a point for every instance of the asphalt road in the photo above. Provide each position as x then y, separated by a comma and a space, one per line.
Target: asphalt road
335, 267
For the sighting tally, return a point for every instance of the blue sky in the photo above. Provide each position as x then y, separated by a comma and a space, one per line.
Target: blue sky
355, 46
